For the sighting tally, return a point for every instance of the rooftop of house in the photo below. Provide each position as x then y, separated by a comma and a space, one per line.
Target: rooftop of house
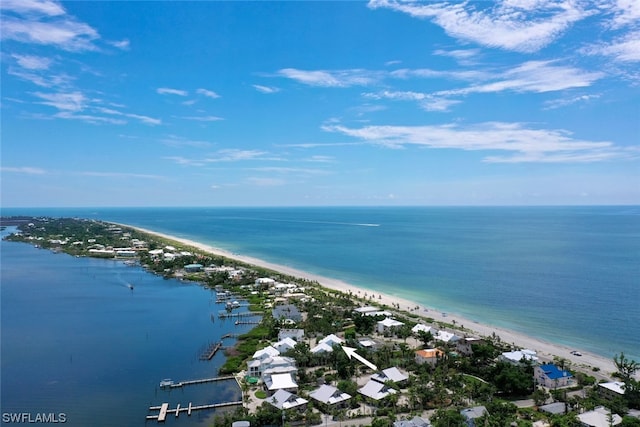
329, 394
376, 390
390, 374
552, 372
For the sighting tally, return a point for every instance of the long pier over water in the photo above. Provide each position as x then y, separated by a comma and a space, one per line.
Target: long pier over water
165, 410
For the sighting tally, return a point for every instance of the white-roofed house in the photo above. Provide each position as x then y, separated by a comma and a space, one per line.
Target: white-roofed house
611, 390
599, 417
278, 365
446, 337
375, 390
276, 382
421, 328
388, 324
329, 397
390, 374
269, 351
282, 399
284, 345
325, 345
296, 334
516, 357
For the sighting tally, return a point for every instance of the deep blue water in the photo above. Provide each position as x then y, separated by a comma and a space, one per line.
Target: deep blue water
570, 275
76, 340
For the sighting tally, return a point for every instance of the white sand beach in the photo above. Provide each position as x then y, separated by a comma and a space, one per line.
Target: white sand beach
546, 350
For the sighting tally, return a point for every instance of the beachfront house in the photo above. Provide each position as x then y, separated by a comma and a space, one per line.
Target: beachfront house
329, 398
599, 417
282, 399
428, 355
611, 390
413, 422
421, 328
446, 337
472, 414
519, 356
388, 325
465, 345
550, 376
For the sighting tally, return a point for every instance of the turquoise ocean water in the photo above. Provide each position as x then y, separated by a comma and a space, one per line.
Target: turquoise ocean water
570, 275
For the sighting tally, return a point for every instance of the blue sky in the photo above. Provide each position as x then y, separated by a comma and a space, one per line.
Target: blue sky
515, 102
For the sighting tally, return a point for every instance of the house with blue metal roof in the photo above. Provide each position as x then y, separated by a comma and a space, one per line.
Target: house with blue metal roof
551, 376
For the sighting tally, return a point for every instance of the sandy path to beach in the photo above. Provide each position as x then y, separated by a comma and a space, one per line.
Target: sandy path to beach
546, 350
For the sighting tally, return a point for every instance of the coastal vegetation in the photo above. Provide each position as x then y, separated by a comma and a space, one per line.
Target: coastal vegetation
440, 391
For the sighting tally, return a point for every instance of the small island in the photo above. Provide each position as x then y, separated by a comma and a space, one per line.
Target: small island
322, 355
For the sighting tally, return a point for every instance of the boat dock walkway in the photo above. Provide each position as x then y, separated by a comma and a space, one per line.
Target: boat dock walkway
165, 410
199, 381
211, 351
224, 314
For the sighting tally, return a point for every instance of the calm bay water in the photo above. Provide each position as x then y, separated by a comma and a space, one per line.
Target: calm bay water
76, 340
570, 275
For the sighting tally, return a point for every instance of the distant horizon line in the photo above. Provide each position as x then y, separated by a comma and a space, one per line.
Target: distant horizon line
328, 206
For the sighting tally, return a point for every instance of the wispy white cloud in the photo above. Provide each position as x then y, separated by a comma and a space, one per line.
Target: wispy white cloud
125, 175
235, 155
426, 101
466, 57
522, 26
185, 161
177, 141
24, 170
70, 101
144, 119
625, 48
124, 44
170, 91
564, 102
266, 182
33, 62
227, 155
207, 93
527, 144
289, 170
533, 76
89, 118
626, 13
34, 7
203, 118
332, 78
320, 159
38, 78
266, 89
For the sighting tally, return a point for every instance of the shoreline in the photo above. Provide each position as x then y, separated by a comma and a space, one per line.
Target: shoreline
545, 350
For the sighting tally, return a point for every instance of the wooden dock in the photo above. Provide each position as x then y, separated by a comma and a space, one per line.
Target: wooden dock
165, 410
247, 322
200, 381
224, 314
211, 351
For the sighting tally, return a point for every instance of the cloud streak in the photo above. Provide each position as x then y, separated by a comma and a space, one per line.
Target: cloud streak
527, 144
521, 26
